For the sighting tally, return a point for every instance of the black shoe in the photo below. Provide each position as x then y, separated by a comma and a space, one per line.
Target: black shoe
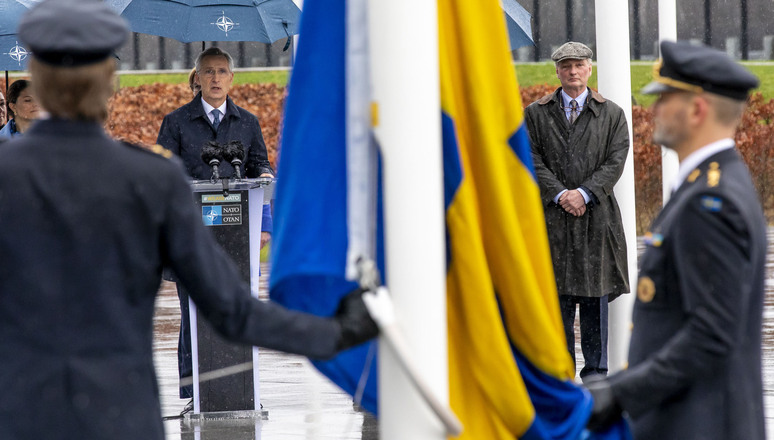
188, 408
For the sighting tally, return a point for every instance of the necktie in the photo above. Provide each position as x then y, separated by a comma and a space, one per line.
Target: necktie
573, 111
215, 118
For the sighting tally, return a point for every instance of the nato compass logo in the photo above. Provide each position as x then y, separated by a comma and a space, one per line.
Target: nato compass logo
219, 215
212, 215
224, 23
17, 53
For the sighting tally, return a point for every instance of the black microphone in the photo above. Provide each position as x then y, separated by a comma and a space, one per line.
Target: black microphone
234, 152
212, 154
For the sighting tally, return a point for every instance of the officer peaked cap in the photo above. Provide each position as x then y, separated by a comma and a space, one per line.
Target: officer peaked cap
693, 68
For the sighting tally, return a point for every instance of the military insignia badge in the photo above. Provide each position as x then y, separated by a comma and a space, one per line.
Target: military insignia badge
646, 289
713, 175
712, 204
651, 239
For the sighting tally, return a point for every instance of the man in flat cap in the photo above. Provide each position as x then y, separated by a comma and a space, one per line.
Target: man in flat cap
579, 145
86, 226
695, 355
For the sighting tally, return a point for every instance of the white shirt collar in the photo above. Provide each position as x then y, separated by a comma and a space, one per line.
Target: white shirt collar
208, 109
697, 157
581, 99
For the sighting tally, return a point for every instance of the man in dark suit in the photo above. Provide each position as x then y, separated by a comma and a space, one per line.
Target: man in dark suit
86, 226
211, 116
695, 356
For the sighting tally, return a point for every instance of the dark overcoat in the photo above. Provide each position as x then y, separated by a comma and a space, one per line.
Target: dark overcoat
186, 130
588, 252
695, 354
86, 225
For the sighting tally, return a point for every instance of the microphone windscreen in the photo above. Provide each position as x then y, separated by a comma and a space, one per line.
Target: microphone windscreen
211, 150
234, 150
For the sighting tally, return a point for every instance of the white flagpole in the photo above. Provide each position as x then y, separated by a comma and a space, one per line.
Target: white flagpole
405, 78
667, 31
614, 79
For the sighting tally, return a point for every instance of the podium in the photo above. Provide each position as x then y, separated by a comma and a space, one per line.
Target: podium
232, 209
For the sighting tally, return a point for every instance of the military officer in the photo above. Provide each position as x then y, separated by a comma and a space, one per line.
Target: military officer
86, 226
695, 354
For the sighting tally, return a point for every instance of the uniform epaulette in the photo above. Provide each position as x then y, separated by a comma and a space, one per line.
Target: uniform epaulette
713, 175
155, 148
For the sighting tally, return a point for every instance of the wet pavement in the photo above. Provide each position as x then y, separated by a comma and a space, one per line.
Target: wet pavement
299, 403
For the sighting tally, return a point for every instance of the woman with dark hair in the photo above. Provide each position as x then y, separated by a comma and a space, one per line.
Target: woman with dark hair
22, 106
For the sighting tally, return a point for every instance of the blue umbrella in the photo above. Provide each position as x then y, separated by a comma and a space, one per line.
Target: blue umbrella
211, 20
519, 25
13, 55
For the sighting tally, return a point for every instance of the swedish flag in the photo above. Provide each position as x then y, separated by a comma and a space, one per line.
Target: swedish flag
510, 373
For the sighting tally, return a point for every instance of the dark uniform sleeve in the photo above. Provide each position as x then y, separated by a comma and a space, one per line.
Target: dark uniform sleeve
257, 157
603, 179
713, 267
549, 185
219, 292
169, 135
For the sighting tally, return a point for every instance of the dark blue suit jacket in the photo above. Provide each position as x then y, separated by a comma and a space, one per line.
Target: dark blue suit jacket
186, 130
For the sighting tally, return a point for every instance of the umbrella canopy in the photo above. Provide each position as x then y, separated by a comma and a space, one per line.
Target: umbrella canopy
519, 26
13, 55
211, 20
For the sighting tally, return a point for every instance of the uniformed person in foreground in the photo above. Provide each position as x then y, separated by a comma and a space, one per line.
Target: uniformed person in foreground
86, 225
694, 367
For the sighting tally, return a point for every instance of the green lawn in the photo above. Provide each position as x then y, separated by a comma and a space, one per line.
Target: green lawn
528, 74
267, 76
541, 73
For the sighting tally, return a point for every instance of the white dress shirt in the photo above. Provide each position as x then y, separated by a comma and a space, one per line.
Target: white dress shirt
208, 110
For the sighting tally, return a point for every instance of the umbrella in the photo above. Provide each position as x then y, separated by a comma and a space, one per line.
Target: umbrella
13, 55
519, 27
211, 20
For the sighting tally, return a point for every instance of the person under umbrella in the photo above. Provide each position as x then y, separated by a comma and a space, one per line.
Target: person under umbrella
23, 108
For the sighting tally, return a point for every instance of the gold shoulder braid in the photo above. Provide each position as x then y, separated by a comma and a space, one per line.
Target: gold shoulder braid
713, 175
161, 151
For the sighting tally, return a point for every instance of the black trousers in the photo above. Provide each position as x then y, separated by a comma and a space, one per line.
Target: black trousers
184, 356
593, 331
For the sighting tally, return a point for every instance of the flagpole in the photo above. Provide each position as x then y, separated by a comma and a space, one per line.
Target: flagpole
614, 79
667, 31
405, 79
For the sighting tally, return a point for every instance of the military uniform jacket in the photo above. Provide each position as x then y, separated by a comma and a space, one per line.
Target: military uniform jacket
695, 355
588, 252
86, 225
186, 130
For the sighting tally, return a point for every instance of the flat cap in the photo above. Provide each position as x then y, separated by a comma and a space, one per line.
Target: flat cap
72, 32
693, 68
572, 51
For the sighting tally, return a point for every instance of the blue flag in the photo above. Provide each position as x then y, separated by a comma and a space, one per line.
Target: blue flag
312, 227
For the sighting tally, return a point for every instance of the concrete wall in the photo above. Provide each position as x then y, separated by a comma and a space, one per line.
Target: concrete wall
147, 52
550, 25
725, 30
